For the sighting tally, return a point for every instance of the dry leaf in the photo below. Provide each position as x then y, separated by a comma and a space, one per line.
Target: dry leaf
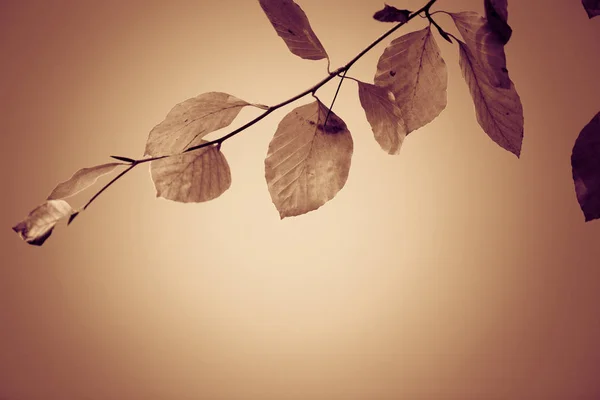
499, 111
391, 14
307, 164
383, 115
585, 162
188, 122
496, 12
81, 180
412, 68
293, 27
592, 7
40, 222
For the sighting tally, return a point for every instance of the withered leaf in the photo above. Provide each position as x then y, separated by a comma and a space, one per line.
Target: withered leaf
193, 177
592, 7
383, 115
307, 164
412, 68
499, 110
496, 12
585, 161
188, 122
40, 222
485, 45
81, 180
292, 25
391, 14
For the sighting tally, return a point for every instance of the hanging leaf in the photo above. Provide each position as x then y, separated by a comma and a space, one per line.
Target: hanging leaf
384, 116
188, 122
485, 45
193, 177
592, 7
585, 162
412, 68
391, 14
307, 164
40, 222
293, 27
496, 12
81, 180
499, 111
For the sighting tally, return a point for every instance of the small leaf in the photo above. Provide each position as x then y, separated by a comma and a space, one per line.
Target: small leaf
485, 45
193, 177
307, 165
412, 68
499, 111
188, 122
383, 115
391, 14
585, 162
81, 180
125, 159
40, 222
592, 7
293, 27
496, 12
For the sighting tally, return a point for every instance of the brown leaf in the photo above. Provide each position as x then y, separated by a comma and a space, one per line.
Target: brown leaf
412, 68
384, 116
485, 45
40, 222
307, 164
293, 27
496, 12
391, 14
193, 177
592, 7
188, 122
585, 162
81, 180
499, 111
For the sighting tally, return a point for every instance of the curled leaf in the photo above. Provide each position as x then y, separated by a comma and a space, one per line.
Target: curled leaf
188, 122
592, 7
307, 164
293, 27
81, 180
412, 68
496, 12
40, 222
391, 14
383, 115
585, 161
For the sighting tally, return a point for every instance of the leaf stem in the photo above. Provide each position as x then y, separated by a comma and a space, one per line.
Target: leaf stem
334, 98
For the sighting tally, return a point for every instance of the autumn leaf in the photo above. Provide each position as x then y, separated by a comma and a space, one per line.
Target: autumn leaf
293, 27
499, 110
496, 12
391, 14
188, 122
40, 222
307, 164
193, 177
384, 116
585, 161
412, 68
592, 7
485, 45
81, 180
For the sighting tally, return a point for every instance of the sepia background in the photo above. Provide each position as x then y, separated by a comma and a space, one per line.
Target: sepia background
451, 271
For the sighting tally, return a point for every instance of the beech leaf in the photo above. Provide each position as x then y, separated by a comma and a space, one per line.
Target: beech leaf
40, 222
592, 7
485, 45
188, 122
391, 14
81, 180
192, 177
496, 12
585, 161
307, 164
499, 110
384, 116
292, 25
412, 68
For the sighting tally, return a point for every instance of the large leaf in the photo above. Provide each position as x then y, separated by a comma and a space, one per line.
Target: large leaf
485, 45
412, 68
496, 12
499, 111
293, 27
592, 7
307, 164
585, 162
384, 116
40, 222
188, 122
391, 14
81, 180
193, 177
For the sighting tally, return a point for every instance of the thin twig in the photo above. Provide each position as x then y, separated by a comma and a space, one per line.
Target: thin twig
334, 97
116, 178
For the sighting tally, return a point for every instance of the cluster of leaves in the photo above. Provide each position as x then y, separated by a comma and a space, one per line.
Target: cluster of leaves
309, 156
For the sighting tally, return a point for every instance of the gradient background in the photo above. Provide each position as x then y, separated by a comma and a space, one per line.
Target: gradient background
452, 271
